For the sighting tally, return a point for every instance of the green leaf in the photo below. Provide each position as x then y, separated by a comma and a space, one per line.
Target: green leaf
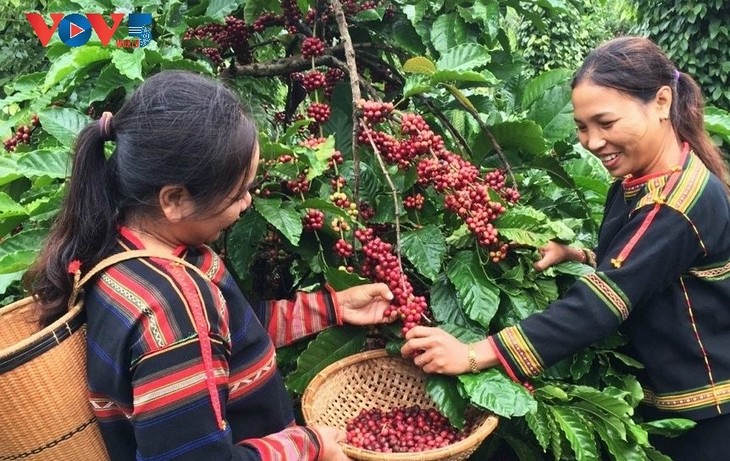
109, 80
445, 394
524, 135
448, 31
466, 56
17, 262
283, 216
129, 64
485, 12
539, 423
340, 279
46, 163
425, 248
63, 124
619, 449
478, 294
579, 436
74, 60
419, 65
444, 303
243, 240
463, 76
9, 208
553, 110
494, 391
324, 205
219, 9
328, 347
670, 427
317, 159
538, 86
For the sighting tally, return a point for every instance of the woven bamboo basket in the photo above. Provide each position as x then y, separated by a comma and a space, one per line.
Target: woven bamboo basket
45, 414
375, 379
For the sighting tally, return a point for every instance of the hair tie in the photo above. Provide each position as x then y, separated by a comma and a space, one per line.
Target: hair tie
676, 75
105, 126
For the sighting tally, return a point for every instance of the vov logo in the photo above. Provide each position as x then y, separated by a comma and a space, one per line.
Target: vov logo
75, 29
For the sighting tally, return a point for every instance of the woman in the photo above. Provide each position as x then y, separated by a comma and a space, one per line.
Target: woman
180, 366
663, 255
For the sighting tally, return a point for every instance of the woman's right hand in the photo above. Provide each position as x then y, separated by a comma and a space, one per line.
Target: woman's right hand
331, 449
553, 253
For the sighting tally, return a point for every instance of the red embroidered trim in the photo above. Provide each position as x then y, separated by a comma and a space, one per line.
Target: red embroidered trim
201, 326
624, 254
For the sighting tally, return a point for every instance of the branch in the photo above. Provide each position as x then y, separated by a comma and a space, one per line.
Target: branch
354, 86
440, 115
286, 66
466, 104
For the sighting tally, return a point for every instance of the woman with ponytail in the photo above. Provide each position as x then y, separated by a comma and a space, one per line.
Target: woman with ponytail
662, 265
180, 366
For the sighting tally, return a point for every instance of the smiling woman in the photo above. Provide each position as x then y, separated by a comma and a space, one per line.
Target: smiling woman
663, 258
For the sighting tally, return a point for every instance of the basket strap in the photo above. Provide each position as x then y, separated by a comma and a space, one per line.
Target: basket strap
198, 311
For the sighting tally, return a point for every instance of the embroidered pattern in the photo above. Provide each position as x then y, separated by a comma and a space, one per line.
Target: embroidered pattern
712, 273
141, 305
609, 293
520, 350
243, 383
683, 195
708, 396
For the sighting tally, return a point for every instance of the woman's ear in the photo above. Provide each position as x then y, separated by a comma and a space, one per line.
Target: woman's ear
663, 102
176, 203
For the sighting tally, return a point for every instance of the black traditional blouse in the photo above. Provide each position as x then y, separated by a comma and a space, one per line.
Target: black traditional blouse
663, 279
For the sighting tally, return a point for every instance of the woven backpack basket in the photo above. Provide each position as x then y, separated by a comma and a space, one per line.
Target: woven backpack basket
45, 414
374, 379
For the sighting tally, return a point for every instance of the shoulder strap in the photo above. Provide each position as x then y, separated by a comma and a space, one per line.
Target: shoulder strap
119, 257
197, 310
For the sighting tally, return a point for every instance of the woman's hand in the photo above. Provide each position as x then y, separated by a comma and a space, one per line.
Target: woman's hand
553, 253
436, 351
331, 438
365, 304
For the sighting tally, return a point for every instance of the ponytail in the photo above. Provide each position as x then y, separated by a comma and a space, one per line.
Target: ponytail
176, 128
84, 229
688, 120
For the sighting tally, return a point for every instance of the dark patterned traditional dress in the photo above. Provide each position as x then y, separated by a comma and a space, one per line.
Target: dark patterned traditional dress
663, 279
160, 394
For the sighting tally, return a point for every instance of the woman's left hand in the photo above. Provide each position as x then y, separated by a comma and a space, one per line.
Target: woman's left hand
366, 304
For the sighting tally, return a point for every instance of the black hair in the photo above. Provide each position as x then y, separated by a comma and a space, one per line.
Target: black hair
177, 128
637, 67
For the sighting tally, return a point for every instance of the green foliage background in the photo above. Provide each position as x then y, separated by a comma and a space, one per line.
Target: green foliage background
696, 35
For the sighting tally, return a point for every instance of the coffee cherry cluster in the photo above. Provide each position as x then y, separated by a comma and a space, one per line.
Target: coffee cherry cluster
381, 265
312, 46
374, 112
414, 201
402, 430
22, 134
313, 220
311, 80
300, 184
418, 139
233, 35
319, 111
343, 248
466, 191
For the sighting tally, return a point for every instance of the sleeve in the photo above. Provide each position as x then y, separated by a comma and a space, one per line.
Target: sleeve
599, 302
288, 320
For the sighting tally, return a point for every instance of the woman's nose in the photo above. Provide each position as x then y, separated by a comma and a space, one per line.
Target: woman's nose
595, 142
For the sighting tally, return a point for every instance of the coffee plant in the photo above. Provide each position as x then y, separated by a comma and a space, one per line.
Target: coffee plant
402, 142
